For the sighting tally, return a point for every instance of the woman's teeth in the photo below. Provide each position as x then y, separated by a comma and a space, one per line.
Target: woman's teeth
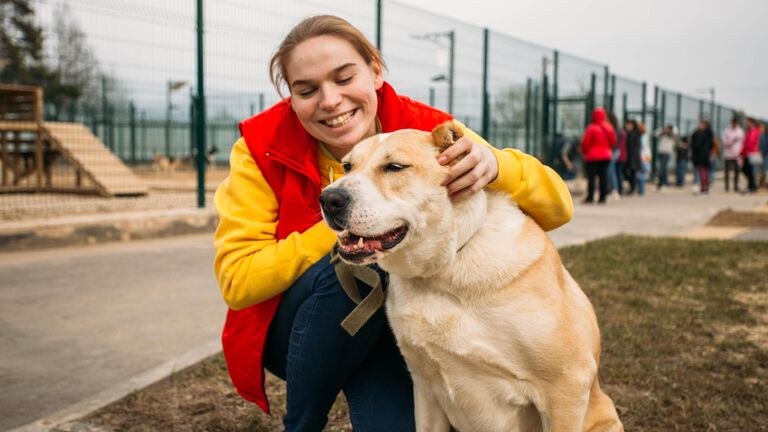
340, 120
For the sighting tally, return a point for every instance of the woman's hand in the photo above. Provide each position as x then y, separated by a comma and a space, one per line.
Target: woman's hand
476, 169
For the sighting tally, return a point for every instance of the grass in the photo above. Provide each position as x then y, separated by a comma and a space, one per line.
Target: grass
740, 218
685, 346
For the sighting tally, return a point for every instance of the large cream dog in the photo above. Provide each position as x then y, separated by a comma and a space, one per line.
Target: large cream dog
496, 333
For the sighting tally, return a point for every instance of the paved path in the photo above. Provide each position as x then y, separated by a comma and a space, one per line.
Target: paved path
76, 321
80, 327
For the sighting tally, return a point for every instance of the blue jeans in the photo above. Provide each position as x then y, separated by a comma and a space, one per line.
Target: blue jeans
613, 179
681, 167
307, 347
663, 169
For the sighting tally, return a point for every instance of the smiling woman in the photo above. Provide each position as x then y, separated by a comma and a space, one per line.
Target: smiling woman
272, 247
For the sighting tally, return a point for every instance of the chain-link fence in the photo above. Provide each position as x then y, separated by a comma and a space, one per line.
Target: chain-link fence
126, 135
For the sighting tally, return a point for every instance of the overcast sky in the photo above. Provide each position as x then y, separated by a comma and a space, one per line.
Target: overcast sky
684, 45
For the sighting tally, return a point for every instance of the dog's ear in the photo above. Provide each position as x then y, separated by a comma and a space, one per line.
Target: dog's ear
445, 134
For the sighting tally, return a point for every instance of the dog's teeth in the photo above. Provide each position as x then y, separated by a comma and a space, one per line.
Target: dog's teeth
360, 242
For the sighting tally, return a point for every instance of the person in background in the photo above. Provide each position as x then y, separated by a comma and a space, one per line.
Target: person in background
750, 153
621, 162
763, 151
668, 141
613, 178
645, 159
701, 149
733, 141
634, 162
714, 158
682, 154
599, 139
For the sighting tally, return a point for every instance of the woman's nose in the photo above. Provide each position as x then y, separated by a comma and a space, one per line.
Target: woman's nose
330, 99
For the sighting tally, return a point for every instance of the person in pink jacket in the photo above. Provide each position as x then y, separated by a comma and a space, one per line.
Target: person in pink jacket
599, 139
751, 141
733, 142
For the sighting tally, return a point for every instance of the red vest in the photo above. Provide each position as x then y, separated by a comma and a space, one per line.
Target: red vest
287, 157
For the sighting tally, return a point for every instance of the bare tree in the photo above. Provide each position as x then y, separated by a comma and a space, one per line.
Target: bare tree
75, 65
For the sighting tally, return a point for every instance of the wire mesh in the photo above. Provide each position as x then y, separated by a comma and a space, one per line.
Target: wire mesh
127, 141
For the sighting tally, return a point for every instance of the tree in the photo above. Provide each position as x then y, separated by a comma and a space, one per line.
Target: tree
75, 68
21, 44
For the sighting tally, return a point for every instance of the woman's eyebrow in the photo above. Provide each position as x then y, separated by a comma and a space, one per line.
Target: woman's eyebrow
334, 71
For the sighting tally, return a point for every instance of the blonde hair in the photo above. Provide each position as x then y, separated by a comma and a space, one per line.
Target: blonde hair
320, 25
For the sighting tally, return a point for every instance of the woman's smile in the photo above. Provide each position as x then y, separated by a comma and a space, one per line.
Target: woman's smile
340, 120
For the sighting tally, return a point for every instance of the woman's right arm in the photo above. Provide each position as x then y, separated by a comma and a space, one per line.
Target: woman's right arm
251, 265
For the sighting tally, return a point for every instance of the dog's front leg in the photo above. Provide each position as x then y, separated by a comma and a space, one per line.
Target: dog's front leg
430, 416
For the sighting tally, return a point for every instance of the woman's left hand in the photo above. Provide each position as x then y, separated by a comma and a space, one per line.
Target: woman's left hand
476, 169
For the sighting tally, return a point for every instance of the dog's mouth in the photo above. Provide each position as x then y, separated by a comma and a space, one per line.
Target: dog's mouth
355, 248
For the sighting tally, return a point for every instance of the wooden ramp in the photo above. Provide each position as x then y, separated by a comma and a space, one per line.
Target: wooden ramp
76, 143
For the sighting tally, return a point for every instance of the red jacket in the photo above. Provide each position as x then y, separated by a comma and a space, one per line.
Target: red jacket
599, 138
751, 141
287, 157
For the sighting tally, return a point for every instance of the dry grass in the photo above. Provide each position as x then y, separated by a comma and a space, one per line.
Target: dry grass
683, 325
753, 219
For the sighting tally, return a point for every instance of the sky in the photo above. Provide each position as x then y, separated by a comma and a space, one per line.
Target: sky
685, 45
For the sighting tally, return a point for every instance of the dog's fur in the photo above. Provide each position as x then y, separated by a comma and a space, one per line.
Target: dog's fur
496, 333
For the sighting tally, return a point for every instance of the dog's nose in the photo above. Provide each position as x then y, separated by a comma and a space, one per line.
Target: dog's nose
335, 201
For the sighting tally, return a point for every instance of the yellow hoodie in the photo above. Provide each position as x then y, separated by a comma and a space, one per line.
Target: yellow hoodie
252, 265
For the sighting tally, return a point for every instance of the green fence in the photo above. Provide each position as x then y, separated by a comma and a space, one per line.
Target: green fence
140, 99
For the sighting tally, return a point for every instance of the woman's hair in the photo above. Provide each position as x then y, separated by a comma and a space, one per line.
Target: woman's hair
613, 120
320, 25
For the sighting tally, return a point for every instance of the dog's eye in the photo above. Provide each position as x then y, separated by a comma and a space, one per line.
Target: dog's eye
347, 167
395, 167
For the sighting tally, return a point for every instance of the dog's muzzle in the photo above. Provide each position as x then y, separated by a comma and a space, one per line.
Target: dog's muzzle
335, 203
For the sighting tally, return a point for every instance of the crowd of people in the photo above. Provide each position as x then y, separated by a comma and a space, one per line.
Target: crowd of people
618, 159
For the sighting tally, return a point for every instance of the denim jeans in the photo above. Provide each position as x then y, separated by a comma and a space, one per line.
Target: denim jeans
613, 179
307, 347
681, 167
663, 169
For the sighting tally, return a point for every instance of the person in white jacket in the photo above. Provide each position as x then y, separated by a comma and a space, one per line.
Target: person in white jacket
733, 141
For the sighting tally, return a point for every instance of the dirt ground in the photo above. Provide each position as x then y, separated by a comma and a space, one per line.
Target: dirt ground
752, 219
683, 325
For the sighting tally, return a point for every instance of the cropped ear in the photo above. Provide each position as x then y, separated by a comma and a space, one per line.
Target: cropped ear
445, 134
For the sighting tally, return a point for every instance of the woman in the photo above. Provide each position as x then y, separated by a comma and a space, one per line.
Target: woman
599, 139
634, 164
701, 149
272, 246
750, 153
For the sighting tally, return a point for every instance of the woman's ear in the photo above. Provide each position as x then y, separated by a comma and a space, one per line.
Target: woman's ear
378, 75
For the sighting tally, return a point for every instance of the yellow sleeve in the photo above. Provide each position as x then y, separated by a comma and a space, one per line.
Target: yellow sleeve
251, 264
535, 187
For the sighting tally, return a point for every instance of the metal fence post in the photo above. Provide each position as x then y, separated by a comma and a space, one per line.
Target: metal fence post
378, 24
555, 84
104, 110
644, 103
590, 105
678, 113
262, 106
612, 100
200, 110
528, 101
606, 78
654, 140
132, 127
486, 103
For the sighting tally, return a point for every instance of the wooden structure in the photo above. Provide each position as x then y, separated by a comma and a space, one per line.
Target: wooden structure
29, 148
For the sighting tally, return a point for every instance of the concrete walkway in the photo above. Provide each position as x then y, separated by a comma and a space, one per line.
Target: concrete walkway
82, 327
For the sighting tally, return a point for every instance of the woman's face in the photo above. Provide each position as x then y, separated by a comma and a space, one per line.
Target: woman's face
333, 92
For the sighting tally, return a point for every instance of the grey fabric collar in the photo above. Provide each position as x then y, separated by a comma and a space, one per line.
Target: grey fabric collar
348, 276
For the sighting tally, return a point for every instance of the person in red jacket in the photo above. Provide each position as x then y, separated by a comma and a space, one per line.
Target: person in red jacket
272, 247
751, 147
596, 146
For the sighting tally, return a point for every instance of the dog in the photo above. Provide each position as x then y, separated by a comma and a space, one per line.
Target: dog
496, 333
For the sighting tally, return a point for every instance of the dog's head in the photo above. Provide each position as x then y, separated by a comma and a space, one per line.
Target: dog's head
391, 192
